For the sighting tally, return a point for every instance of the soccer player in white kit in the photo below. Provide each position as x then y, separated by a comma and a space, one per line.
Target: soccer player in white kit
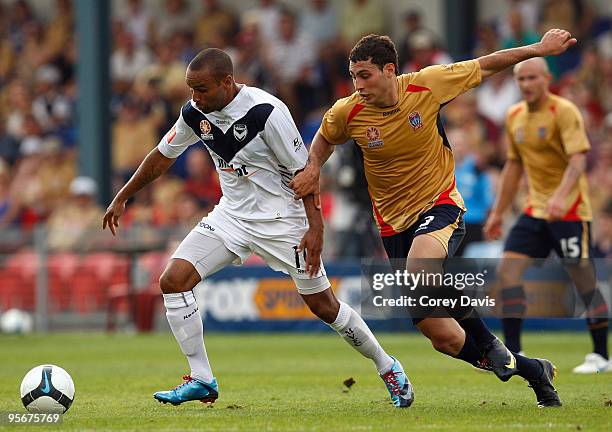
257, 150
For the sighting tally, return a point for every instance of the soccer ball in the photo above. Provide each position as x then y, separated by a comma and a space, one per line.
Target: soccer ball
47, 389
15, 321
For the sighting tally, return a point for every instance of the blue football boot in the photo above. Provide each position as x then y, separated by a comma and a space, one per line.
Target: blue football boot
399, 386
192, 389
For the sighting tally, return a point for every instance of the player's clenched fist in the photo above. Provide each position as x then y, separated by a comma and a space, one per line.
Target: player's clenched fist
556, 41
493, 227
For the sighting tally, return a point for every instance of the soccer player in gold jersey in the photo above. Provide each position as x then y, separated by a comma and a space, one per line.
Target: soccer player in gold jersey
395, 122
548, 142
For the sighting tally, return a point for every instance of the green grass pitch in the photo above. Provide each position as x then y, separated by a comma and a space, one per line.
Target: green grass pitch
293, 382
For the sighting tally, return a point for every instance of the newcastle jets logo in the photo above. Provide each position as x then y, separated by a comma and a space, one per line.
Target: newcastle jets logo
240, 131
205, 127
414, 118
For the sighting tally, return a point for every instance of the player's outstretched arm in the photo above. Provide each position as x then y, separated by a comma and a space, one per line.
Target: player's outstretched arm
312, 242
506, 190
554, 42
306, 182
154, 165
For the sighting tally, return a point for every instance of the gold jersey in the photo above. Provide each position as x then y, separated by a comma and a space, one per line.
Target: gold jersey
408, 161
543, 141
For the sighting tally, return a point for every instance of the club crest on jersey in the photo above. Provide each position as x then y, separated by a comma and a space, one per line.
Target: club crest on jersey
373, 136
205, 127
414, 118
542, 132
240, 131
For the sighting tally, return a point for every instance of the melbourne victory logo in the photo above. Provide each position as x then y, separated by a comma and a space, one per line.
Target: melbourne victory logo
240, 131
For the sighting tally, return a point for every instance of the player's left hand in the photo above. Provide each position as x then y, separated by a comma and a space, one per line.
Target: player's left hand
312, 243
555, 208
555, 42
306, 183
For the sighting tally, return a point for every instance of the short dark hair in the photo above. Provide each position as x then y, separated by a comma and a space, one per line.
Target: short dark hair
215, 60
379, 49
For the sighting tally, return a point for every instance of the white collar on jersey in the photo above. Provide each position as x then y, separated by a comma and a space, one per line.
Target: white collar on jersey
227, 110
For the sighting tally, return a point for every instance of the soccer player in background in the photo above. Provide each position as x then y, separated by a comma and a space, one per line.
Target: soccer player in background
257, 149
395, 122
548, 143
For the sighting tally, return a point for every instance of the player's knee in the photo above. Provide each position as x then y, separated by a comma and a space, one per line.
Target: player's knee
173, 282
449, 343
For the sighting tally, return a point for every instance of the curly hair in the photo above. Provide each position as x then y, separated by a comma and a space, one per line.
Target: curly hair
379, 49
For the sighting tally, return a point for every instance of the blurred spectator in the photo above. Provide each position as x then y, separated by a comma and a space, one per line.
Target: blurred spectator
134, 135
603, 232
575, 16
216, 27
359, 18
412, 24
267, 15
19, 105
202, 182
487, 39
250, 66
176, 16
320, 22
9, 147
519, 35
5, 185
425, 52
481, 134
127, 60
59, 31
74, 223
292, 58
169, 71
496, 95
529, 14
137, 21
475, 186
50, 107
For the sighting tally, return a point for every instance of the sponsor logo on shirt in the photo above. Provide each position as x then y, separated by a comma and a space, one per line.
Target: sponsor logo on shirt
221, 122
297, 144
414, 118
205, 127
240, 131
225, 167
388, 113
373, 136
206, 226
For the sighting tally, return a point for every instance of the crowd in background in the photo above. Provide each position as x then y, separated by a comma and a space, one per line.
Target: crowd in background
301, 56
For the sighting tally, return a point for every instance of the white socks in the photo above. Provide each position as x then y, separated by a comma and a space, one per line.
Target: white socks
186, 324
355, 331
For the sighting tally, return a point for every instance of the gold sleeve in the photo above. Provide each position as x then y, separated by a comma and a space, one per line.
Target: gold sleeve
446, 82
573, 133
333, 126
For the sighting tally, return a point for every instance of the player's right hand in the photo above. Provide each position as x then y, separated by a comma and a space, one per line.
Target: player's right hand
305, 183
112, 215
555, 42
493, 227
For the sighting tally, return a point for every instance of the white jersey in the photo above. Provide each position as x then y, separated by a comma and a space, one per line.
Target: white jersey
256, 148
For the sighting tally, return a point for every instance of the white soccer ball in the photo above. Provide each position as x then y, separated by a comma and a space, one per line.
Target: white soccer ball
47, 389
16, 321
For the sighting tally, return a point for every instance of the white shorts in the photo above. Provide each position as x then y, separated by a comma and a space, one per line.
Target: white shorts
220, 240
